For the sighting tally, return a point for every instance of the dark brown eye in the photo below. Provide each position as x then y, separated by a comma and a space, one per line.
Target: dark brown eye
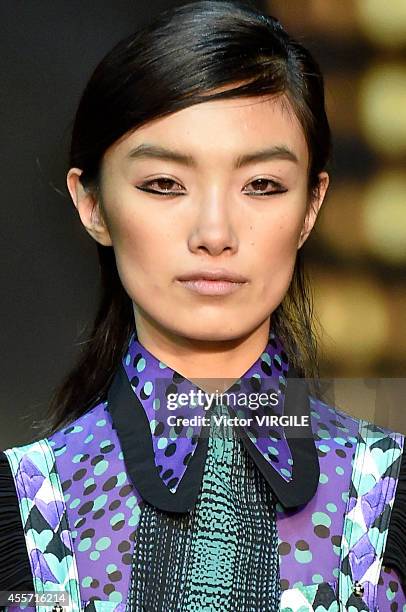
164, 186
260, 185
164, 183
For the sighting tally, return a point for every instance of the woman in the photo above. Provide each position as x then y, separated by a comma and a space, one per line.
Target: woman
198, 165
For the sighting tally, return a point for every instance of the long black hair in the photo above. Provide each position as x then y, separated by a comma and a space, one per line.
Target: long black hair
172, 63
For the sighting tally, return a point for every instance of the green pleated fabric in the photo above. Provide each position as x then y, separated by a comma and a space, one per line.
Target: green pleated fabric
223, 555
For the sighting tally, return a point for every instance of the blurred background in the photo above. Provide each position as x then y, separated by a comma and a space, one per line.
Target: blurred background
356, 254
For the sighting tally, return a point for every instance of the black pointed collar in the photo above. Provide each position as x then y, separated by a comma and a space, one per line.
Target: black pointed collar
165, 460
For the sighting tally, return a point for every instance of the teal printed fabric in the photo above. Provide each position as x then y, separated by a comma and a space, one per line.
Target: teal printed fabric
223, 555
43, 514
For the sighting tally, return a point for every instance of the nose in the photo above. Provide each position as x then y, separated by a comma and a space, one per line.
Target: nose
214, 230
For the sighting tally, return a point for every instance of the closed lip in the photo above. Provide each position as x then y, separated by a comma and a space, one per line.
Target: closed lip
218, 274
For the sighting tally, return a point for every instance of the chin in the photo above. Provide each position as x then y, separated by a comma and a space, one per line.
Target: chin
211, 333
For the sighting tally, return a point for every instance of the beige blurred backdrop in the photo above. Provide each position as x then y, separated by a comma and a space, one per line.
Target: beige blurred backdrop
357, 252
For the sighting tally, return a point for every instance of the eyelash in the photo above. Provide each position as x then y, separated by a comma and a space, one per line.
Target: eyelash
143, 187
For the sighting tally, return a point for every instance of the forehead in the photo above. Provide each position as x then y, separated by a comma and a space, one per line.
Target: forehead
218, 129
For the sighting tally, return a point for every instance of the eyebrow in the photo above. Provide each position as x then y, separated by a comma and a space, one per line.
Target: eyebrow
148, 151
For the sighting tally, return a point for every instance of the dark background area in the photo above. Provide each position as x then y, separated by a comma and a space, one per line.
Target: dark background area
49, 263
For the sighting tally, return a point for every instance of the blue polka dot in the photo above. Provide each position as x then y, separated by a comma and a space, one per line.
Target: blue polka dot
101, 467
117, 518
76, 429
121, 478
148, 387
99, 502
103, 543
156, 404
115, 596
135, 517
94, 555
162, 443
131, 502
265, 357
84, 544
141, 365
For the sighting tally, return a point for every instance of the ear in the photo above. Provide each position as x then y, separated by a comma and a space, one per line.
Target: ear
314, 207
88, 208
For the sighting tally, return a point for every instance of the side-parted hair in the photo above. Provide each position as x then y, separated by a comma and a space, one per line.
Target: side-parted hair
176, 61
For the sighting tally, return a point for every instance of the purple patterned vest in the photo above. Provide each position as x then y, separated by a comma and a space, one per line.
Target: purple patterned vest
81, 490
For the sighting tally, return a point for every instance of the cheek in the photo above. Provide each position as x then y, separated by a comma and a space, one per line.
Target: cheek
278, 244
275, 256
140, 253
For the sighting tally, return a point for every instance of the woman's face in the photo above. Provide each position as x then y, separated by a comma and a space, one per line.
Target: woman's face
230, 183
